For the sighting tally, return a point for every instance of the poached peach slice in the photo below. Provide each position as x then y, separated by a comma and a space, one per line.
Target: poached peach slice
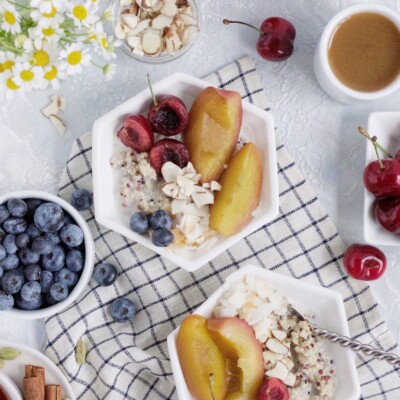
215, 120
200, 357
237, 341
240, 194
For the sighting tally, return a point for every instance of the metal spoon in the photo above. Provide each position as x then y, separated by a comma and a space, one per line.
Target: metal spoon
352, 344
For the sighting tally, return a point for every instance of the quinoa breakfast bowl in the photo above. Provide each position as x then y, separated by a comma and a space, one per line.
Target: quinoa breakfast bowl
163, 192
247, 320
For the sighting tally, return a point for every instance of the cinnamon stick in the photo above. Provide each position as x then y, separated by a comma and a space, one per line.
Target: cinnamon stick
34, 383
53, 392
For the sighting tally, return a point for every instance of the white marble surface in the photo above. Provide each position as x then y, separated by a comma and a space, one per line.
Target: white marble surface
319, 132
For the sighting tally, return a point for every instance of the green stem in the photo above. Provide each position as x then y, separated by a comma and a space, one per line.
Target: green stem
20, 5
66, 40
377, 155
96, 65
227, 22
7, 46
368, 136
151, 90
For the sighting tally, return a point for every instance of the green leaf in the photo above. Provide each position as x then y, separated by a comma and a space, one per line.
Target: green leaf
8, 353
27, 23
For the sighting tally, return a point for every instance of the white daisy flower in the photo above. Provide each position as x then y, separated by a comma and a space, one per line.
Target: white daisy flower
109, 71
46, 6
44, 56
52, 76
27, 77
10, 19
7, 61
108, 14
51, 18
8, 87
42, 35
104, 46
84, 14
75, 58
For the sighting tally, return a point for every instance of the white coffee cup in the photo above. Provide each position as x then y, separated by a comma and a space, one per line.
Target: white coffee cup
323, 72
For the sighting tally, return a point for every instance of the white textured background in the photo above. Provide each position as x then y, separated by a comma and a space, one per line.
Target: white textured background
319, 132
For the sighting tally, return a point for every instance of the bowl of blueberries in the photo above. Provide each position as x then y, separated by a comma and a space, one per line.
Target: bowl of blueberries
46, 252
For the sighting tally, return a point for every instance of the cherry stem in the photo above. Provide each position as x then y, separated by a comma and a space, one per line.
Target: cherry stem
227, 22
151, 90
211, 380
371, 139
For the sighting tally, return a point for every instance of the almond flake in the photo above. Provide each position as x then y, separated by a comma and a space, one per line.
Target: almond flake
58, 123
280, 371
215, 186
60, 101
119, 31
290, 380
125, 3
202, 197
189, 20
169, 8
130, 20
277, 346
134, 41
170, 171
278, 334
161, 22
170, 190
51, 109
141, 26
151, 41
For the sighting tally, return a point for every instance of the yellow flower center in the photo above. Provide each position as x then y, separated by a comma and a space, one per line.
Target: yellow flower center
51, 14
52, 74
80, 12
11, 85
104, 43
6, 65
27, 75
41, 58
9, 17
74, 58
48, 31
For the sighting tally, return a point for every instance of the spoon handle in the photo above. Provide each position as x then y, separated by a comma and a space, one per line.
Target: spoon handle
357, 346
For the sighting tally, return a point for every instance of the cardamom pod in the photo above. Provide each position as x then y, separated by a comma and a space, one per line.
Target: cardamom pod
8, 353
80, 352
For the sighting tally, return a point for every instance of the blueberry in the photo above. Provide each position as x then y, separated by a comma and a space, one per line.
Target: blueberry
10, 262
12, 281
3, 252
33, 231
42, 245
53, 237
2, 234
67, 277
22, 240
33, 272
68, 219
122, 310
75, 260
1, 272
28, 256
17, 207
49, 300
9, 244
6, 301
46, 281
15, 225
71, 235
160, 219
29, 305
82, 199
105, 274
162, 237
55, 260
139, 222
33, 204
59, 291
49, 217
31, 291
4, 214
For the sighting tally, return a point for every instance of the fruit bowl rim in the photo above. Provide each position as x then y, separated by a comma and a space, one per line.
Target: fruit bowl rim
87, 270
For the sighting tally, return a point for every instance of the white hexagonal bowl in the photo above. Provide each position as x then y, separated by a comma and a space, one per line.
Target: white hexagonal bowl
258, 126
325, 304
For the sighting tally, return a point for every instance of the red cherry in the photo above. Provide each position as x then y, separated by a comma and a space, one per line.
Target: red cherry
387, 212
364, 262
273, 389
168, 150
167, 114
382, 178
136, 133
276, 38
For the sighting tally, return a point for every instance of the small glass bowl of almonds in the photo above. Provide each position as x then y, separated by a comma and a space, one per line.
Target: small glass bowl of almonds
156, 31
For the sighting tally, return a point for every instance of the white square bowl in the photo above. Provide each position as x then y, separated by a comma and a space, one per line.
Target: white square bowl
386, 127
258, 126
325, 304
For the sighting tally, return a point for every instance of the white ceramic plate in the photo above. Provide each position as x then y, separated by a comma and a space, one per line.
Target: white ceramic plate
258, 126
325, 304
15, 369
386, 127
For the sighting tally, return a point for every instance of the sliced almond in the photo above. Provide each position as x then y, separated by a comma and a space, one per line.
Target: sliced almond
134, 41
186, 10
170, 190
60, 101
161, 22
51, 109
58, 123
125, 3
271, 357
215, 186
288, 362
278, 334
178, 206
202, 197
145, 4
130, 20
290, 380
180, 25
169, 8
186, 184
141, 26
189, 20
173, 41
206, 185
157, 5
170, 171
119, 31
276, 346
280, 371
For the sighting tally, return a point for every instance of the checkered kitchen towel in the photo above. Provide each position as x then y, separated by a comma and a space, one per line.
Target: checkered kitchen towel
130, 361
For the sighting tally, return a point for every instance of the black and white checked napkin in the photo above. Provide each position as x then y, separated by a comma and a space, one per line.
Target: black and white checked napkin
130, 361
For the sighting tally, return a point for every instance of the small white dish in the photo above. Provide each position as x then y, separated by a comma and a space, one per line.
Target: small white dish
329, 314
8, 386
258, 126
89, 257
15, 369
386, 127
